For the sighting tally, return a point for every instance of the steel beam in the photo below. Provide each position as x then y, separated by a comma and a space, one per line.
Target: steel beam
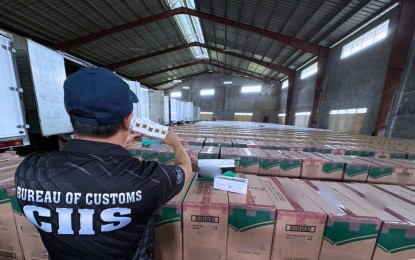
269, 65
397, 62
290, 94
182, 78
138, 78
313, 48
318, 91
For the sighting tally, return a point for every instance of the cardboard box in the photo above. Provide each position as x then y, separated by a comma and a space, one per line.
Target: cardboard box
290, 166
197, 141
10, 247
209, 152
168, 222
249, 160
382, 171
355, 169
251, 225
149, 154
351, 231
231, 153
300, 222
29, 237
193, 152
269, 163
396, 239
205, 222
321, 167
166, 155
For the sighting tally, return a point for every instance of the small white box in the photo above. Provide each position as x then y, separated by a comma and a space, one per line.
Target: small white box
232, 184
150, 128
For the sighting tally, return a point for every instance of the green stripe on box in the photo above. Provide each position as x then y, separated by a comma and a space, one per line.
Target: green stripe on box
397, 155
208, 156
149, 155
268, 163
377, 172
340, 233
309, 149
353, 171
286, 165
15, 205
168, 215
323, 150
396, 240
246, 162
4, 197
367, 154
166, 157
329, 168
240, 221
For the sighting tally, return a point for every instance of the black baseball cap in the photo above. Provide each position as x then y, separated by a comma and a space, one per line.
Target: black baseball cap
100, 94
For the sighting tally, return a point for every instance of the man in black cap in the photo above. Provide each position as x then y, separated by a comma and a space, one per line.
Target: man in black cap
93, 200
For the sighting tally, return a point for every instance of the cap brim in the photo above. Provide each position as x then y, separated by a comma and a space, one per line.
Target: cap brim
133, 97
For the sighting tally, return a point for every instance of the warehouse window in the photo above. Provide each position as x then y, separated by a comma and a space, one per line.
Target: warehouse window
244, 117
251, 89
303, 113
310, 70
376, 34
206, 116
349, 111
285, 84
207, 92
347, 120
281, 115
177, 94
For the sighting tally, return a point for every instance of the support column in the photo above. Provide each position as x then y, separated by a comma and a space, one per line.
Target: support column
397, 62
321, 73
290, 92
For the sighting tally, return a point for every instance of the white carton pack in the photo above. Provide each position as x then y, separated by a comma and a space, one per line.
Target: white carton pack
150, 128
232, 184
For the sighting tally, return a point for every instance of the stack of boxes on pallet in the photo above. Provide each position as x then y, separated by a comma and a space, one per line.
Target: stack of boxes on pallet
282, 218
19, 239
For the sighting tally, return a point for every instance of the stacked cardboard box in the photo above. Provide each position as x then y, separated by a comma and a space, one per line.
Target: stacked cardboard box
168, 222
351, 231
355, 169
209, 152
19, 239
251, 223
396, 239
321, 167
205, 222
231, 153
382, 171
249, 160
300, 222
193, 152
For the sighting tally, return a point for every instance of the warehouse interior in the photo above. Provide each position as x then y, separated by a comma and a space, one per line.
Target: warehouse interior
316, 96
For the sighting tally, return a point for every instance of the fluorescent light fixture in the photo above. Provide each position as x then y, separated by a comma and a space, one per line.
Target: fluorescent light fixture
207, 92
227, 82
210, 71
284, 84
251, 89
190, 27
281, 115
243, 114
177, 81
303, 113
246, 76
177, 94
185, 88
206, 113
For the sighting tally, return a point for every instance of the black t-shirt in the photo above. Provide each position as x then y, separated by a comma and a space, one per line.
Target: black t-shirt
94, 201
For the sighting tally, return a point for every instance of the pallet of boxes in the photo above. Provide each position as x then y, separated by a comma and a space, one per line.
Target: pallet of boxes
19, 239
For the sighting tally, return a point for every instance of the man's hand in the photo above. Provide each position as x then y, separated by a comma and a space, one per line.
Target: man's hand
131, 138
171, 138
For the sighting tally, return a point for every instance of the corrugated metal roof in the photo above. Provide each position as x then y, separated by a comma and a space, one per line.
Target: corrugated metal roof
319, 21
